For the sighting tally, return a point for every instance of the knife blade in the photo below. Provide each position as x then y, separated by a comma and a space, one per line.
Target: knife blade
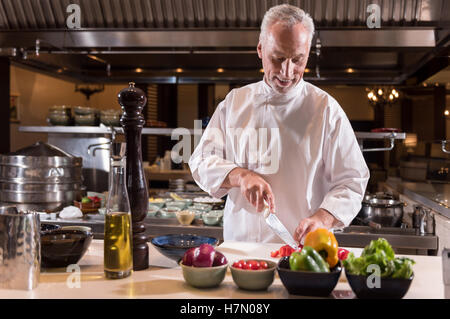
278, 228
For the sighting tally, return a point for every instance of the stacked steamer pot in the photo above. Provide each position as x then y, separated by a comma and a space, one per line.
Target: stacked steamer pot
40, 177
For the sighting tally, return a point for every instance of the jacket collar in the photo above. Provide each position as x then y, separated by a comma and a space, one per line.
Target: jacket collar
273, 97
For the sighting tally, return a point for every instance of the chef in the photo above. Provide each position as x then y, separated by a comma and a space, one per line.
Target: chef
281, 142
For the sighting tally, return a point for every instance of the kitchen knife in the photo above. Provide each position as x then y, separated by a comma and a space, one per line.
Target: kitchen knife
278, 228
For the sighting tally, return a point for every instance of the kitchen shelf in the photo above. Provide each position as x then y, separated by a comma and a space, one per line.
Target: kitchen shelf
390, 136
377, 136
92, 130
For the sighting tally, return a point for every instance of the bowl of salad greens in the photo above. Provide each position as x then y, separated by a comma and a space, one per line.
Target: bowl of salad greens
377, 273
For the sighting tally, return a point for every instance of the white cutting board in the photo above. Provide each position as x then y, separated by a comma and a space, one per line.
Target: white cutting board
236, 250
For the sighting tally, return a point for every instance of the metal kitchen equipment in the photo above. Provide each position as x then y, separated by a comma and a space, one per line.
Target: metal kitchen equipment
423, 220
444, 146
446, 272
230, 27
386, 212
390, 136
40, 177
177, 185
20, 249
278, 228
368, 223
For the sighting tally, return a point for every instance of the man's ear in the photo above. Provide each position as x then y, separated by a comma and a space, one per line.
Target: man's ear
259, 49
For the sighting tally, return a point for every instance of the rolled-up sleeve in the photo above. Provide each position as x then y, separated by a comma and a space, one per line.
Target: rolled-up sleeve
208, 163
346, 172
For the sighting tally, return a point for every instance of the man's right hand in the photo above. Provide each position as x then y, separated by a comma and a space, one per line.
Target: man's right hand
253, 187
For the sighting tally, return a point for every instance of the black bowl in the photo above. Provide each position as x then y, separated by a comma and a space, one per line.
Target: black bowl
63, 247
390, 288
308, 283
174, 246
48, 228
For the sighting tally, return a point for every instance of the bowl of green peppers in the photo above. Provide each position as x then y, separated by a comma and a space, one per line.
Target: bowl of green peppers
377, 273
307, 273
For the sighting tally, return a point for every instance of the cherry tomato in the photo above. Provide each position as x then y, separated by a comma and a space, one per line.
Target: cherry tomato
244, 264
264, 265
253, 265
237, 264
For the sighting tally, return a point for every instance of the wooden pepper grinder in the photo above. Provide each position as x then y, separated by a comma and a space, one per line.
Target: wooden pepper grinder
132, 100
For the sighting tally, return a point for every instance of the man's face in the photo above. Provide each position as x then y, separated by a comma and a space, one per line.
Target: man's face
284, 54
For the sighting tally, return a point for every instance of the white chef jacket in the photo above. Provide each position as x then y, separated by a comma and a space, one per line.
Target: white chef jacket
309, 155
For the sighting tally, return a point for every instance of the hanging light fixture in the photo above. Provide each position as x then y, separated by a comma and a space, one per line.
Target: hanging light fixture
382, 96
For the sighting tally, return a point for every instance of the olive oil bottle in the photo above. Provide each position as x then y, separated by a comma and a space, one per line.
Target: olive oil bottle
118, 246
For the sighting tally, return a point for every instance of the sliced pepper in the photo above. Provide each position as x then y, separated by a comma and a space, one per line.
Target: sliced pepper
324, 242
284, 251
343, 253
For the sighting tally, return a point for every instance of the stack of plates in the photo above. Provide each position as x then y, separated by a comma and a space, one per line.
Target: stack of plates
177, 185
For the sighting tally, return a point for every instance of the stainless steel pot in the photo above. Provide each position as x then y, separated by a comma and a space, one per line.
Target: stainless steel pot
40, 175
386, 212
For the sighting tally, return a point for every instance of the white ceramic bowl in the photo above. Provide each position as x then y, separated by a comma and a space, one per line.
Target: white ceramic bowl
169, 212
152, 210
212, 218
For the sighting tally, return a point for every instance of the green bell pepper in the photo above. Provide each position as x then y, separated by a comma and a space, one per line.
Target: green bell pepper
308, 260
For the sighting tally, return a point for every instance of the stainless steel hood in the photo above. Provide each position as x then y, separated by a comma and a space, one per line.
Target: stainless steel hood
150, 39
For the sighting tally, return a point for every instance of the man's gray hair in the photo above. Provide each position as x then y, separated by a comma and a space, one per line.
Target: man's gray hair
288, 15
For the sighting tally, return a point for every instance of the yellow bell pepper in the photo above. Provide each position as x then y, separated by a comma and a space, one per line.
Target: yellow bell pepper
325, 243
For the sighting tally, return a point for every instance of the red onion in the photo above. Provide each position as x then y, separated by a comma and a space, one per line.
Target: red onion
188, 256
204, 256
219, 259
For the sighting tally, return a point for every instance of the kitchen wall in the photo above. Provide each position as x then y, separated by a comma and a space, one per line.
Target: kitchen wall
220, 92
187, 107
108, 98
353, 100
423, 114
37, 92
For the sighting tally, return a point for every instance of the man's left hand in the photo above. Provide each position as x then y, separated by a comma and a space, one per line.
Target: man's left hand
320, 219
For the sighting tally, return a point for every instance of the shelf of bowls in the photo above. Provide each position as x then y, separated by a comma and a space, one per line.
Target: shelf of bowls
82, 116
205, 209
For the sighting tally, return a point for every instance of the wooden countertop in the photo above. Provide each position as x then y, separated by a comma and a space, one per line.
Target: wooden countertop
164, 280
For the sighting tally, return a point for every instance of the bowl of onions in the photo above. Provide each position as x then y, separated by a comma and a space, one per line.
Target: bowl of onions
204, 266
174, 246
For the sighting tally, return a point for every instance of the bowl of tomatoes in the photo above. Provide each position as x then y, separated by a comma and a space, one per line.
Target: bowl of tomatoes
253, 274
